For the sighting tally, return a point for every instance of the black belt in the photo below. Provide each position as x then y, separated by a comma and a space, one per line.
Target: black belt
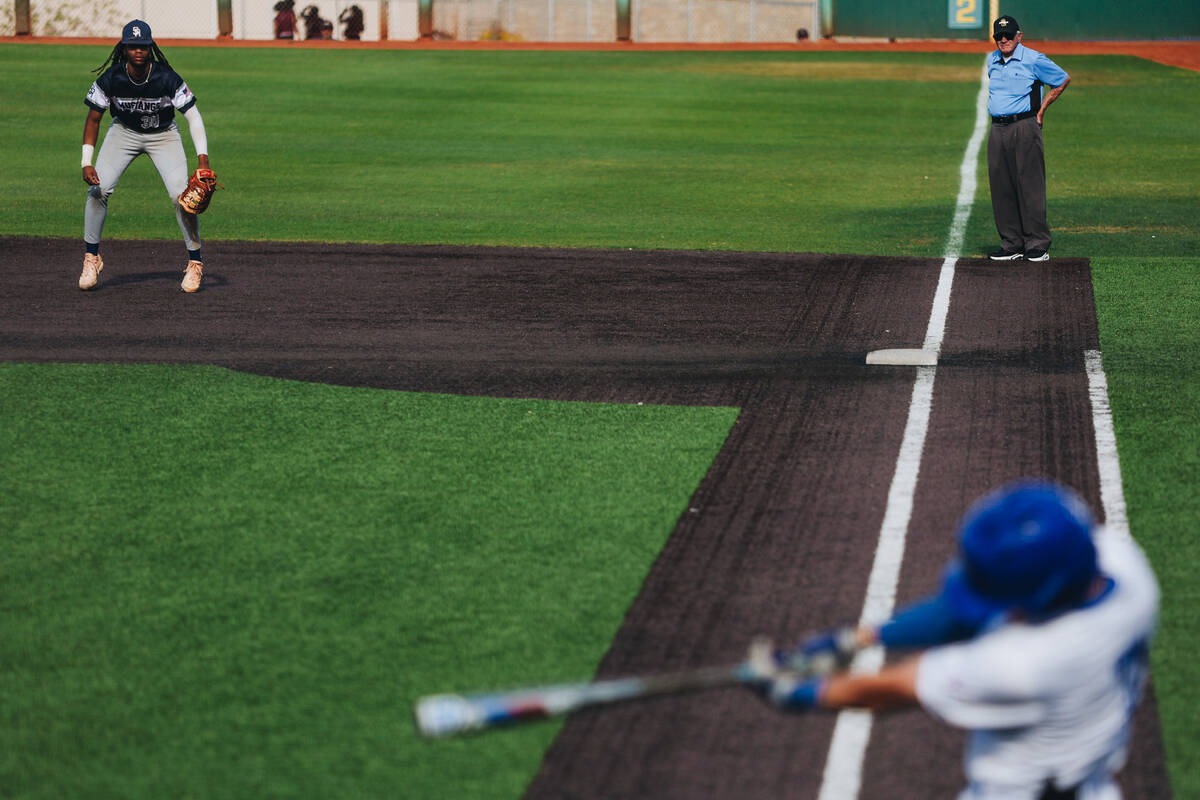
1011, 118
1049, 792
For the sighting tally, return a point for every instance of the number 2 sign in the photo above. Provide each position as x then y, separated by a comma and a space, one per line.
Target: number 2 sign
965, 14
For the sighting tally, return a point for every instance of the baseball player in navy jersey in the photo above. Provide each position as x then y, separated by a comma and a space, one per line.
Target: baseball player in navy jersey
1016, 153
142, 93
1037, 643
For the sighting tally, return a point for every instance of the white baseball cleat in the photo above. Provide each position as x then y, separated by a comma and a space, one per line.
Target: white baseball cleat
91, 271
1004, 255
192, 275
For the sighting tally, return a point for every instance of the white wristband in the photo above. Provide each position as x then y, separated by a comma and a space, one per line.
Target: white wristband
88, 149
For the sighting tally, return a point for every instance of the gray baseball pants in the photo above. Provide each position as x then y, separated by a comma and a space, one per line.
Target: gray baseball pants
120, 147
1017, 175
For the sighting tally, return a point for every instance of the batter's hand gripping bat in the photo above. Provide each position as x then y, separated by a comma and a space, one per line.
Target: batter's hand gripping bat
451, 714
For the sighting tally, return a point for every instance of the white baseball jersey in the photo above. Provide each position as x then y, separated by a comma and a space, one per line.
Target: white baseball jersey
1051, 702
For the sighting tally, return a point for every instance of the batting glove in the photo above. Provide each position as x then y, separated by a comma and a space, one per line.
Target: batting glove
798, 695
823, 653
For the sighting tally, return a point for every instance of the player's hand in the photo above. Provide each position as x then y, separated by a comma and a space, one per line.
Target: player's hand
202, 161
90, 176
790, 692
826, 652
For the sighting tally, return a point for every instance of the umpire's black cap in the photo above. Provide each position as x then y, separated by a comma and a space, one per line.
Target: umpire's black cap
1005, 24
136, 32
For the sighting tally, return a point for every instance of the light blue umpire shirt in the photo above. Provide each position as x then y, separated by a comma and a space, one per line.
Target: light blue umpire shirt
1015, 86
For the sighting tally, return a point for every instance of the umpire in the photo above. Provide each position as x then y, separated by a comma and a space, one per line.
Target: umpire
1016, 155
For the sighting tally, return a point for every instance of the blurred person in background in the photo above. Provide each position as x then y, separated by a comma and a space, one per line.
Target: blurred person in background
314, 24
352, 19
285, 19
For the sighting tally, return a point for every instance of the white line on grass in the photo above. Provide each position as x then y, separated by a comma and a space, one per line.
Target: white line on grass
843, 766
1112, 496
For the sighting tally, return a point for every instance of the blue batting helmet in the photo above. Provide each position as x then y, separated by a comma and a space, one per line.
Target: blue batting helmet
136, 32
1026, 547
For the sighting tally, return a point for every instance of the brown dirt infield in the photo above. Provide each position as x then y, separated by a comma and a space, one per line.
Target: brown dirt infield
778, 538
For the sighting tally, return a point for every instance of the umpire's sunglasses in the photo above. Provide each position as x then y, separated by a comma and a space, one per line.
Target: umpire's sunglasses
1000, 36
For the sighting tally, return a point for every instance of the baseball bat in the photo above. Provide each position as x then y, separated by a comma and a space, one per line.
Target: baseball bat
444, 715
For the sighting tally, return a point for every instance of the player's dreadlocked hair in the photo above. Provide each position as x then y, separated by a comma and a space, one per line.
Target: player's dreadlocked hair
117, 57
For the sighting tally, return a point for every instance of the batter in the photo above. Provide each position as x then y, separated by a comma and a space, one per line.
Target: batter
142, 93
1037, 644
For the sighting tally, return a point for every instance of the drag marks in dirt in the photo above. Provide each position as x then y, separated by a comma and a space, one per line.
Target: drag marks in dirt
842, 777
783, 543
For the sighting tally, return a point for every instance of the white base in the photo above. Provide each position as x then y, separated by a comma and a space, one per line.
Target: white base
903, 357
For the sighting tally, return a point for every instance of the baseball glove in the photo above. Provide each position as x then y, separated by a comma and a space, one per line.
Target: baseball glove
196, 197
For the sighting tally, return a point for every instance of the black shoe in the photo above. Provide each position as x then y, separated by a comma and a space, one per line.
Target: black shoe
1037, 255
1003, 255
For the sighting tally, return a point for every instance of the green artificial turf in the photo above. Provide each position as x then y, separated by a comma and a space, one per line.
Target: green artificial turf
648, 150
1149, 338
220, 585
1118, 184
152, 651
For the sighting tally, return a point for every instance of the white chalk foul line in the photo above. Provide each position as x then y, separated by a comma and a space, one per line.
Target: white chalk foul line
1112, 495
843, 766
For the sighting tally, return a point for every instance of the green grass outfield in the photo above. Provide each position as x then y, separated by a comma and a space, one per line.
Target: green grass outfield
228, 586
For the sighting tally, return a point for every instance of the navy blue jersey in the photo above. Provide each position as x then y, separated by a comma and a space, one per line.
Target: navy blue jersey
142, 107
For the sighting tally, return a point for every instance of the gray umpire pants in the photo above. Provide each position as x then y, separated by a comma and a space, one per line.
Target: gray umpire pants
1017, 175
118, 150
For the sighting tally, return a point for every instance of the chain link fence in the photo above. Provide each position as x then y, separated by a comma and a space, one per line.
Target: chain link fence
169, 19
381, 19
525, 20
65, 17
714, 21
725, 20
654, 20
198, 19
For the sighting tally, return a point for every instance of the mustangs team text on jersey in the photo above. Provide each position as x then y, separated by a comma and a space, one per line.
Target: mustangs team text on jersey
142, 107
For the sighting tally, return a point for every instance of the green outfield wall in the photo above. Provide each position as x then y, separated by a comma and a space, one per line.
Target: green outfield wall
1065, 20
